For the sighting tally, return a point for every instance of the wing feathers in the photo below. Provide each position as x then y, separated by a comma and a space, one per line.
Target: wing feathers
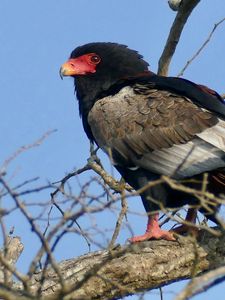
215, 135
160, 131
181, 161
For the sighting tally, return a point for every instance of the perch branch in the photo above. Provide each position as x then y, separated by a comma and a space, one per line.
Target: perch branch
130, 269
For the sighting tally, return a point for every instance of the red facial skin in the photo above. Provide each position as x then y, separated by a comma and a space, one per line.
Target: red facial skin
82, 65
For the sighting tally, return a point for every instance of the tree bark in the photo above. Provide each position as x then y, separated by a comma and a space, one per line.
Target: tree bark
182, 16
130, 269
8, 258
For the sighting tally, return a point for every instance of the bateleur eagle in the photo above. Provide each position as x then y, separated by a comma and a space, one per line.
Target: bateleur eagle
150, 126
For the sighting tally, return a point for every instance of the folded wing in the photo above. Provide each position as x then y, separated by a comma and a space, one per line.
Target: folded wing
158, 130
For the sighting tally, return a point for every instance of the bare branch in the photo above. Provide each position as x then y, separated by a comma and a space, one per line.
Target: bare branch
201, 48
109, 180
8, 257
110, 274
183, 14
174, 4
119, 221
35, 228
25, 148
202, 283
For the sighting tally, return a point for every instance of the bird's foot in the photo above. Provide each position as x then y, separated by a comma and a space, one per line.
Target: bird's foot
190, 227
185, 229
156, 234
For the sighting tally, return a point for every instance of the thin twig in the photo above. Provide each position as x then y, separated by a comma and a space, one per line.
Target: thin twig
201, 48
119, 220
44, 242
25, 148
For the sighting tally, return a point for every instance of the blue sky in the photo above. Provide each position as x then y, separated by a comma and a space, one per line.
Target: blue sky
36, 37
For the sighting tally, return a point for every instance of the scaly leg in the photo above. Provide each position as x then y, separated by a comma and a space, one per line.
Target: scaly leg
153, 231
190, 218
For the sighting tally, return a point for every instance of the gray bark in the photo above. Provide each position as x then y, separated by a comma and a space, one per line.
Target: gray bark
130, 269
126, 270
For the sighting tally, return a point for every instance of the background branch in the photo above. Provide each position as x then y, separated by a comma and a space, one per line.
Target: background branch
201, 48
8, 258
202, 283
183, 14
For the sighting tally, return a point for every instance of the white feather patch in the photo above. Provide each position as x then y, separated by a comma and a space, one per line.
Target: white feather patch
204, 153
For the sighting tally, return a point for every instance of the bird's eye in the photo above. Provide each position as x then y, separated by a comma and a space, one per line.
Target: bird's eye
95, 59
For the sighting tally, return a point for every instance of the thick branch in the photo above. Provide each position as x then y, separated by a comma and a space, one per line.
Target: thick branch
130, 269
184, 12
8, 258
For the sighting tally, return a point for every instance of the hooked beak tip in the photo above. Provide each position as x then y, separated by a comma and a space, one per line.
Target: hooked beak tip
61, 73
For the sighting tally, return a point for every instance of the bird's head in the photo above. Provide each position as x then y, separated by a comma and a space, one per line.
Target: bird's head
98, 66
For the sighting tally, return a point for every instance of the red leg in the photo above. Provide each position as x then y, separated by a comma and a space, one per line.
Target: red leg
190, 218
153, 231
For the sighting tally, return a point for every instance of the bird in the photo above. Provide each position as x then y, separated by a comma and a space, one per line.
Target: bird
151, 126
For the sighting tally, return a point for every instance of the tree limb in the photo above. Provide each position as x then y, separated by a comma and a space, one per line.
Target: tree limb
131, 269
8, 258
202, 283
184, 12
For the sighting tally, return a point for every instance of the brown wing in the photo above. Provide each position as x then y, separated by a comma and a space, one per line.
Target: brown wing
134, 124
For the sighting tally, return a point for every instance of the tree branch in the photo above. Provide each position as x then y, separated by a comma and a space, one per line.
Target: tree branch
8, 258
202, 283
184, 12
130, 269
201, 48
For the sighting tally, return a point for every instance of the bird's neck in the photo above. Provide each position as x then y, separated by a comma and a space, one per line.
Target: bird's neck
88, 91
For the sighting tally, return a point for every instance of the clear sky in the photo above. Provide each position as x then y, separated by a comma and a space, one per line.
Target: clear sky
36, 37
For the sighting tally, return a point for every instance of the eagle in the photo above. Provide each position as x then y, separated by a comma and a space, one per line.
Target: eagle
150, 126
